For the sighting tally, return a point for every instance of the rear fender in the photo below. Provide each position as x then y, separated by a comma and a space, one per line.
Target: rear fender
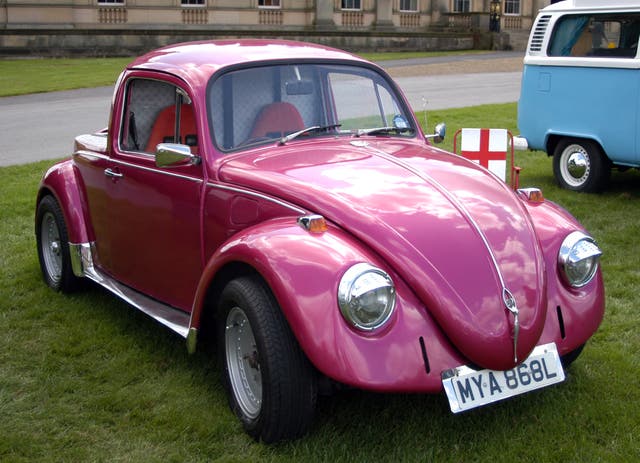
64, 182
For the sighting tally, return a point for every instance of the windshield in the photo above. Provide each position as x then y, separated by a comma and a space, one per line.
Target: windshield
270, 103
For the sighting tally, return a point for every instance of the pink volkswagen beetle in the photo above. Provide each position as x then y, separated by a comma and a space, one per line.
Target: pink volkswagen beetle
281, 198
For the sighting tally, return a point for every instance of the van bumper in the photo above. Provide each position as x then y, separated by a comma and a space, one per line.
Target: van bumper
520, 143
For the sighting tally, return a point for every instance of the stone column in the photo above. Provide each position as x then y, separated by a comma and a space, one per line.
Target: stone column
384, 14
324, 14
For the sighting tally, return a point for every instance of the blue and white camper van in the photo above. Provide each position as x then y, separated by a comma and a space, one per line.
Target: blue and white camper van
580, 95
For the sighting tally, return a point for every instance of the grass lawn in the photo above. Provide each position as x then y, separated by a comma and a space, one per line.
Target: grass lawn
23, 76
84, 377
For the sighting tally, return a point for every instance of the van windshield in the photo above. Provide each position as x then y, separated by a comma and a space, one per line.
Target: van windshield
596, 35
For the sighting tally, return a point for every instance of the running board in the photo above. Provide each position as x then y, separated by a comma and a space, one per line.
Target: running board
82, 262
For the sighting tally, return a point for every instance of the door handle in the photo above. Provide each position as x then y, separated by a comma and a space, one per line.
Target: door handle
113, 174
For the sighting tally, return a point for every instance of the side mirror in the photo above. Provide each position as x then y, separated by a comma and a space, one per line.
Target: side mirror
174, 154
439, 133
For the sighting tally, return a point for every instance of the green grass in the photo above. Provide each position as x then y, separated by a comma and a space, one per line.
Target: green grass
23, 76
395, 55
84, 377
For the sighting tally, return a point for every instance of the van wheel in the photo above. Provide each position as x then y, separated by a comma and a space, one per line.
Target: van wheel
53, 246
580, 165
271, 384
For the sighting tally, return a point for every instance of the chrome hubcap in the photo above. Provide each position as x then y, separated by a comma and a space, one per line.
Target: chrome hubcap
243, 363
574, 165
51, 246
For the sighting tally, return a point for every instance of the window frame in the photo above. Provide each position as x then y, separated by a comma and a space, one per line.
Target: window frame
270, 7
351, 8
411, 10
466, 6
517, 3
193, 3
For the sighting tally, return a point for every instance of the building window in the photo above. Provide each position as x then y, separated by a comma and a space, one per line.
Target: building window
269, 3
461, 6
110, 2
512, 7
192, 2
409, 5
351, 5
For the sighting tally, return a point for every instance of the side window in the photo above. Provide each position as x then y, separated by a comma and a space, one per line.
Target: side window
156, 112
596, 35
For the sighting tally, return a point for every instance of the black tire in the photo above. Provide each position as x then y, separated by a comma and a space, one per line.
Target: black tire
570, 357
580, 165
53, 246
271, 384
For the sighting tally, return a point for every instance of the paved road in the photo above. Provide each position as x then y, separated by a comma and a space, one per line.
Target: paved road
43, 126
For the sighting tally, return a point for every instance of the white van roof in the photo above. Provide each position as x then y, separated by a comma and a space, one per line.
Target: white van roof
571, 5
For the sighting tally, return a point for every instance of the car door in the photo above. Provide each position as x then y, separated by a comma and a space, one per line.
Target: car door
151, 238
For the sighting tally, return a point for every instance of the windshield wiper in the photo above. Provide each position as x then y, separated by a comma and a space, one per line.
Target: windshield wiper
313, 128
383, 130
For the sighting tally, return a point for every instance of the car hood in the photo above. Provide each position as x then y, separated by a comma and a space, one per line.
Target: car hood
459, 237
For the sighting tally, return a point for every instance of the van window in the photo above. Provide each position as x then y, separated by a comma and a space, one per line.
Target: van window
596, 35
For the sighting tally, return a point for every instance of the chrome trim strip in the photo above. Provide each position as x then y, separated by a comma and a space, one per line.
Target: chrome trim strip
174, 319
91, 155
258, 195
158, 171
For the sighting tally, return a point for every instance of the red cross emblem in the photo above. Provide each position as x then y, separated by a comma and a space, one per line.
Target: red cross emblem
488, 147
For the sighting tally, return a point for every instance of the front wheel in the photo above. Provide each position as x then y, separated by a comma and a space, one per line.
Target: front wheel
580, 165
570, 357
271, 383
53, 246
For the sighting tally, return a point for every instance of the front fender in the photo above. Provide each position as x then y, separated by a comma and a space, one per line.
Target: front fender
64, 182
573, 314
303, 270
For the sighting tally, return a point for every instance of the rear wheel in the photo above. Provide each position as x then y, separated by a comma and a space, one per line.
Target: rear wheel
53, 246
271, 384
580, 165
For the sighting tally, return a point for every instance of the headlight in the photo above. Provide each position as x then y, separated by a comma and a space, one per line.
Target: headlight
366, 296
578, 259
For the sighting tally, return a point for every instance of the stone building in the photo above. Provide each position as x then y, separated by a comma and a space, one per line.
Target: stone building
129, 26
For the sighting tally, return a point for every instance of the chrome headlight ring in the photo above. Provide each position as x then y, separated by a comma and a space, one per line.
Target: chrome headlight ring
366, 297
578, 259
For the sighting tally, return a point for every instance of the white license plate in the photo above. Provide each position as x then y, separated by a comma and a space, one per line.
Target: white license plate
467, 388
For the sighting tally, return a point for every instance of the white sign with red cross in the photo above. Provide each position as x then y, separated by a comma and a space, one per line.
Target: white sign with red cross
487, 147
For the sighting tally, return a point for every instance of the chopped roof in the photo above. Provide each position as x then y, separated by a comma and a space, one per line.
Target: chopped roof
205, 58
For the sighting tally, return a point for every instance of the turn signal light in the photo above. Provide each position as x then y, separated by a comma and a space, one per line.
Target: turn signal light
313, 223
533, 195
